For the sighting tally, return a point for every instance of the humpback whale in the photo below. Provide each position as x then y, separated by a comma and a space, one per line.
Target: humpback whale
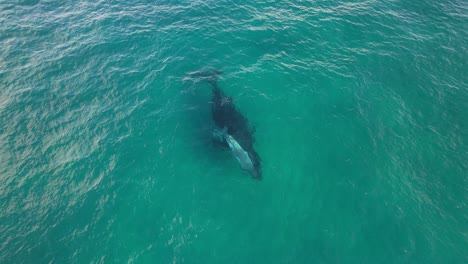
234, 130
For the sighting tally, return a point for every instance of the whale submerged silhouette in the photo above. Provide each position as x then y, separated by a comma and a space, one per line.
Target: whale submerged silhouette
234, 130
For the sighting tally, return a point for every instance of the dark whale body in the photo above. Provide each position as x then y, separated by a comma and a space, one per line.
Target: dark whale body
226, 116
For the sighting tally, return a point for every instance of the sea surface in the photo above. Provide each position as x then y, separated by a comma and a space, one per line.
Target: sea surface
360, 113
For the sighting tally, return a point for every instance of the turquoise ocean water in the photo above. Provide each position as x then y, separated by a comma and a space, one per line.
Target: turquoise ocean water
360, 110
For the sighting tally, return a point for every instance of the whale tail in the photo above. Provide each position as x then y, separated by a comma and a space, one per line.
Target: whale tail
207, 74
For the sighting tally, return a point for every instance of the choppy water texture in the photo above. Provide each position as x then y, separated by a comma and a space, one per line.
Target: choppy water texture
360, 110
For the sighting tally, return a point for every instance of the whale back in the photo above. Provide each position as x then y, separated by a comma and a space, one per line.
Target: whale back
226, 115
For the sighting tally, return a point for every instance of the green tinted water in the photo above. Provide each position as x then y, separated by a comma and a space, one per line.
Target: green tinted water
359, 110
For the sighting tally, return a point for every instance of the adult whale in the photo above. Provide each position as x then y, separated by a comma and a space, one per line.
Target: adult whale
234, 130
237, 129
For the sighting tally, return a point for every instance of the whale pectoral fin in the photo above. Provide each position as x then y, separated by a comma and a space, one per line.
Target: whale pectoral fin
218, 137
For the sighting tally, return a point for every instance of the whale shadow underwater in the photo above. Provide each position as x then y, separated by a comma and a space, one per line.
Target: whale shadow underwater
233, 130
